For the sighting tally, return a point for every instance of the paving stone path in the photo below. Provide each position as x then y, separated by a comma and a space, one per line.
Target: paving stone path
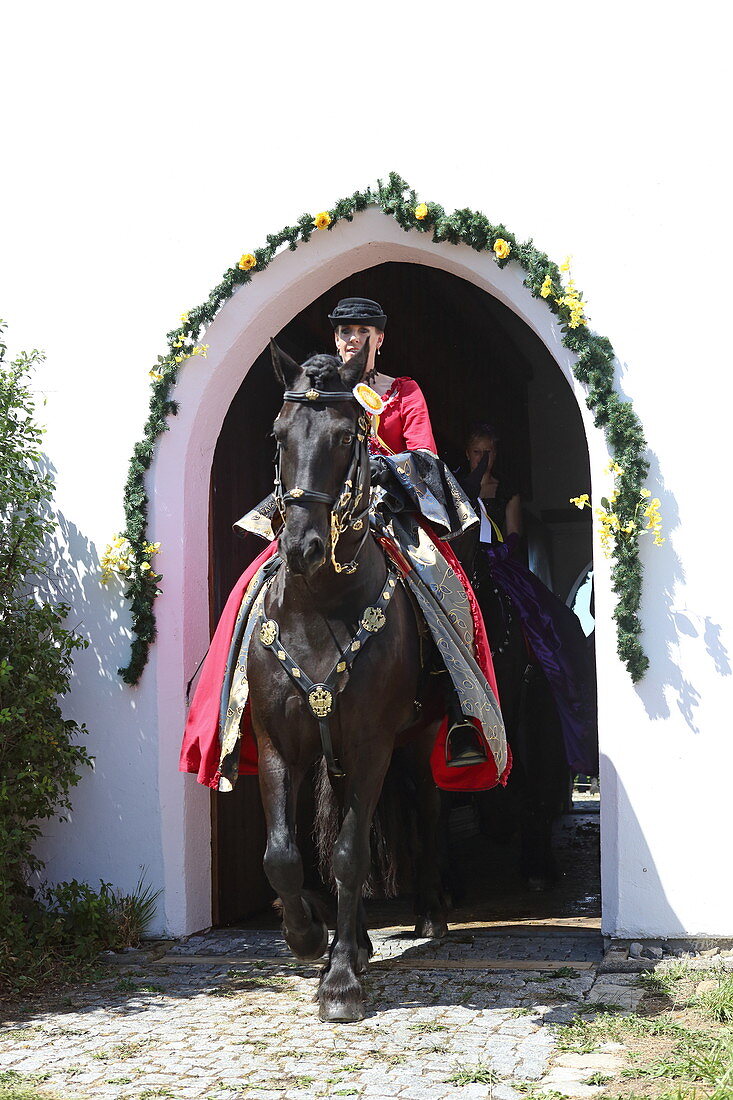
182, 1027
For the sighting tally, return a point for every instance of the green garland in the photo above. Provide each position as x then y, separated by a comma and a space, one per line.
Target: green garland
593, 367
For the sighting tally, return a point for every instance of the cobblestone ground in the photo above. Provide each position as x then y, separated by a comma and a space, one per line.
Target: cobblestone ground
197, 1030
227, 1014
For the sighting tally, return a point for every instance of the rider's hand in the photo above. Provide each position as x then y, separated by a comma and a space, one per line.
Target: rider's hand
379, 471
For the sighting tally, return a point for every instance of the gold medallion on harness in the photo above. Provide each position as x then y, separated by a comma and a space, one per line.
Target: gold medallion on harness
296, 492
312, 395
320, 701
341, 666
373, 619
268, 632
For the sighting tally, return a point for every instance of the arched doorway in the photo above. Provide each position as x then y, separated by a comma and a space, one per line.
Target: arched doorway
179, 491
476, 360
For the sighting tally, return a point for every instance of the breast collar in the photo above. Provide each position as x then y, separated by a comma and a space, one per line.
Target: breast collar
321, 696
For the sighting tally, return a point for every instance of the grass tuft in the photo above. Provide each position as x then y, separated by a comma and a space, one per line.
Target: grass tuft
478, 1074
718, 1003
19, 1086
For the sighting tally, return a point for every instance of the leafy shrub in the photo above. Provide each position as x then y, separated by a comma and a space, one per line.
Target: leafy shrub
96, 919
40, 756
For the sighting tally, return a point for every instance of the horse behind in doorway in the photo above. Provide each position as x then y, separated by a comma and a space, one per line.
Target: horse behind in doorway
334, 669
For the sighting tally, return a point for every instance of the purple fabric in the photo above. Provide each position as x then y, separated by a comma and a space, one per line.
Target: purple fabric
560, 648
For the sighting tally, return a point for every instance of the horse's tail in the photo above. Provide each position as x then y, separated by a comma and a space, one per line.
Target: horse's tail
390, 832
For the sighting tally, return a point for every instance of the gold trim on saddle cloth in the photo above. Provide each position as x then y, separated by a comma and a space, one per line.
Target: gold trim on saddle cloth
264, 520
238, 695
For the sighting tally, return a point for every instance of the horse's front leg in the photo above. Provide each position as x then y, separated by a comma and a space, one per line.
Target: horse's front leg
305, 931
341, 996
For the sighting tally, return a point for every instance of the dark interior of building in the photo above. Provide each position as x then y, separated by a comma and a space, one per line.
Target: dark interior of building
476, 361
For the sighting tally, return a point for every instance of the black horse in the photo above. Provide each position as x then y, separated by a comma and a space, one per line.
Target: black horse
336, 623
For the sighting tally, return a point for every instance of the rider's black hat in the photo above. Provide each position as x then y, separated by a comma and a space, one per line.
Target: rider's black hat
361, 311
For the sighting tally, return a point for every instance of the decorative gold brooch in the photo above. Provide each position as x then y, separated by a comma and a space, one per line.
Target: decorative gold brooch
320, 701
373, 619
312, 395
268, 632
296, 492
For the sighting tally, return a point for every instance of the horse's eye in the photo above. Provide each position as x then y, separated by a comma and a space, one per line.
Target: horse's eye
347, 438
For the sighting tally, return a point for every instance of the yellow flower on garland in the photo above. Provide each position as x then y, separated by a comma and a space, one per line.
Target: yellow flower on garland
571, 298
421, 211
322, 220
119, 558
502, 248
184, 318
546, 288
583, 501
155, 375
247, 262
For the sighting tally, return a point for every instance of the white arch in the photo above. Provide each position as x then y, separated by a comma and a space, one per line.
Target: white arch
179, 488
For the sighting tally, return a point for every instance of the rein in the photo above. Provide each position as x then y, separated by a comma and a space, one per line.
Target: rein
343, 506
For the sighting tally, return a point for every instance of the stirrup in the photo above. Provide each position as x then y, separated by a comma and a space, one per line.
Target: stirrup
469, 747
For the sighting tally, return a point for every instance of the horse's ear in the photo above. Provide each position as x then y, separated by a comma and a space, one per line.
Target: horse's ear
286, 369
353, 371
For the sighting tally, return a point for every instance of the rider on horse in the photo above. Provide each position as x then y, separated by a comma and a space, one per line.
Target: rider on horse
415, 506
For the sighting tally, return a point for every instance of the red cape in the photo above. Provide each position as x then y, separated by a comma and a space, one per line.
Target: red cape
200, 750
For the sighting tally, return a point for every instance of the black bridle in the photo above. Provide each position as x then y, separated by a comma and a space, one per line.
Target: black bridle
344, 505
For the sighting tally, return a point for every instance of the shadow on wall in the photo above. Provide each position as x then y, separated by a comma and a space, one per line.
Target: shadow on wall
105, 835
665, 627
665, 684
635, 903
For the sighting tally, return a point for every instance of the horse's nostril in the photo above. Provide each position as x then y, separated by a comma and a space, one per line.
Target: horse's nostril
314, 551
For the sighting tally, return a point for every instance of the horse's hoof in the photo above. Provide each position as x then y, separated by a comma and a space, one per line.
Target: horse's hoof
313, 943
308, 948
341, 1012
429, 928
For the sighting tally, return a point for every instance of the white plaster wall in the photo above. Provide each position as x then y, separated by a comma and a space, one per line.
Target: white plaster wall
147, 147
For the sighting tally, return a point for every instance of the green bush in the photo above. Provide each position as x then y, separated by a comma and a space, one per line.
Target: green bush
92, 920
40, 756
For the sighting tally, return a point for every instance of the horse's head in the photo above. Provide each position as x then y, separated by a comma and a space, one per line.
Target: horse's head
320, 444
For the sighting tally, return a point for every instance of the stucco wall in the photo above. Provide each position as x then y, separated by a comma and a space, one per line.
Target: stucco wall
142, 158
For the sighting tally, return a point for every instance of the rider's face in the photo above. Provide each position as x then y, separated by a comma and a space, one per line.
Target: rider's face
351, 338
477, 448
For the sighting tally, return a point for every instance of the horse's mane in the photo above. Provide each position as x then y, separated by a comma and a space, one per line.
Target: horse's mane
323, 372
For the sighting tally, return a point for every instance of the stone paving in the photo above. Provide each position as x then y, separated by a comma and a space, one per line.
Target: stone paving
465, 944
170, 1027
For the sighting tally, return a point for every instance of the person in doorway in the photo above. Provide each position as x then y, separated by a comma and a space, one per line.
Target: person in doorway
404, 459
539, 654
524, 620
498, 502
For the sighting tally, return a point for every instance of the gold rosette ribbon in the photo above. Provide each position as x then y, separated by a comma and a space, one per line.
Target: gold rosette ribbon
368, 398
